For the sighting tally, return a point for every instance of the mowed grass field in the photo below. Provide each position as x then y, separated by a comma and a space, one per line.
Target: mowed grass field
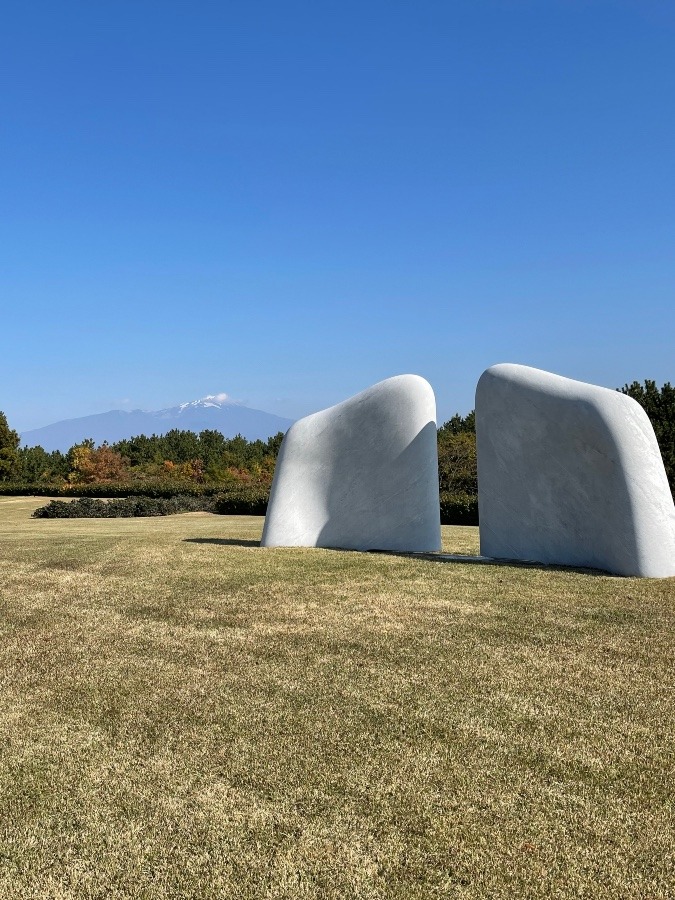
186, 715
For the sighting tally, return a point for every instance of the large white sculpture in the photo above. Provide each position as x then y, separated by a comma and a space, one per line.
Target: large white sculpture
362, 475
570, 473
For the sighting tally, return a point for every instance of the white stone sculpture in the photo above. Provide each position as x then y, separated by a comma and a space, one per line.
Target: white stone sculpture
362, 475
570, 473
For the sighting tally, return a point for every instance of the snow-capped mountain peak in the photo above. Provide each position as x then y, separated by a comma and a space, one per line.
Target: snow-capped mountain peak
214, 400
215, 412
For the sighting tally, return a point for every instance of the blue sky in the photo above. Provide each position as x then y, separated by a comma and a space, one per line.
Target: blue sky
290, 202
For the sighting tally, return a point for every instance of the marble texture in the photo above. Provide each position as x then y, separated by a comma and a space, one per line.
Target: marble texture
570, 473
362, 475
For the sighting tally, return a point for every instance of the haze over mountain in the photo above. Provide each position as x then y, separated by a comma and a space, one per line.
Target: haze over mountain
216, 412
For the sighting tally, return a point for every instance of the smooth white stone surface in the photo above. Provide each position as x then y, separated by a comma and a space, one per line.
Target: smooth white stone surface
362, 475
570, 473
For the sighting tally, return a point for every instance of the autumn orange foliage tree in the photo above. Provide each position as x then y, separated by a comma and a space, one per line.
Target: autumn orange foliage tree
90, 465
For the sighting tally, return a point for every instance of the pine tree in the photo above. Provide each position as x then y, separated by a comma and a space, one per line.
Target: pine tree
10, 462
659, 404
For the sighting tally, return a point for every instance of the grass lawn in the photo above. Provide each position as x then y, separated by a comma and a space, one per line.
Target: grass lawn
186, 715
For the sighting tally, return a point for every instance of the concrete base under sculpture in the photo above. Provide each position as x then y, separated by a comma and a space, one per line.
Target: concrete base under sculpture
570, 473
362, 475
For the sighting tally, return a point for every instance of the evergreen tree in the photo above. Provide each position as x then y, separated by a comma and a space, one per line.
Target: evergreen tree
141, 449
457, 473
10, 461
38, 465
460, 424
274, 445
180, 446
659, 404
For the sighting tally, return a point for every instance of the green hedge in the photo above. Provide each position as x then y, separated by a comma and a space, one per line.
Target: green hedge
241, 502
456, 509
459, 509
163, 489
122, 507
22, 489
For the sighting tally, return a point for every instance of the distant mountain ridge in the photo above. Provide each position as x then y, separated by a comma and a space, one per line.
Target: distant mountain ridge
215, 412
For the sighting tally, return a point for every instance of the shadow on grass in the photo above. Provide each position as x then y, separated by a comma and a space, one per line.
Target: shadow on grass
489, 561
430, 557
227, 542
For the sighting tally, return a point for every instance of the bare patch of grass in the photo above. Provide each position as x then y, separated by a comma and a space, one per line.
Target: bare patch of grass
187, 715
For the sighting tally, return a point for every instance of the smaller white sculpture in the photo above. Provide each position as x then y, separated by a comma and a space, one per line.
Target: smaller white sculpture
570, 473
362, 475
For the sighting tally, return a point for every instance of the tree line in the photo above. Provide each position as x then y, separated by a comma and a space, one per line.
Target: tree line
207, 457
210, 459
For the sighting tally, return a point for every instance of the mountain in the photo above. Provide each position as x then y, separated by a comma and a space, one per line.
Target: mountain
215, 412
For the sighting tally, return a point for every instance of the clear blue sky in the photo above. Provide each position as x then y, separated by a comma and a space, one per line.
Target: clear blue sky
290, 201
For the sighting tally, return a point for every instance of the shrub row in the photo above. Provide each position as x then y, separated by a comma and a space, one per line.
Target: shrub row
246, 502
124, 507
241, 499
459, 509
242, 503
165, 489
456, 509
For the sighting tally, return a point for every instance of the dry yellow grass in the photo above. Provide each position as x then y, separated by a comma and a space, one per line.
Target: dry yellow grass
186, 715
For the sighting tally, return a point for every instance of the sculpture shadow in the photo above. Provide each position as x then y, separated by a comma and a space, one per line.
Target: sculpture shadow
456, 558
226, 542
445, 558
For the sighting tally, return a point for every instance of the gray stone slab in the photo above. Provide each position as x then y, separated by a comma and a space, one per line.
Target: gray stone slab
362, 475
570, 474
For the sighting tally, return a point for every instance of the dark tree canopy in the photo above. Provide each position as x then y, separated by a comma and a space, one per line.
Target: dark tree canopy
459, 424
457, 456
659, 404
9, 450
36, 465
